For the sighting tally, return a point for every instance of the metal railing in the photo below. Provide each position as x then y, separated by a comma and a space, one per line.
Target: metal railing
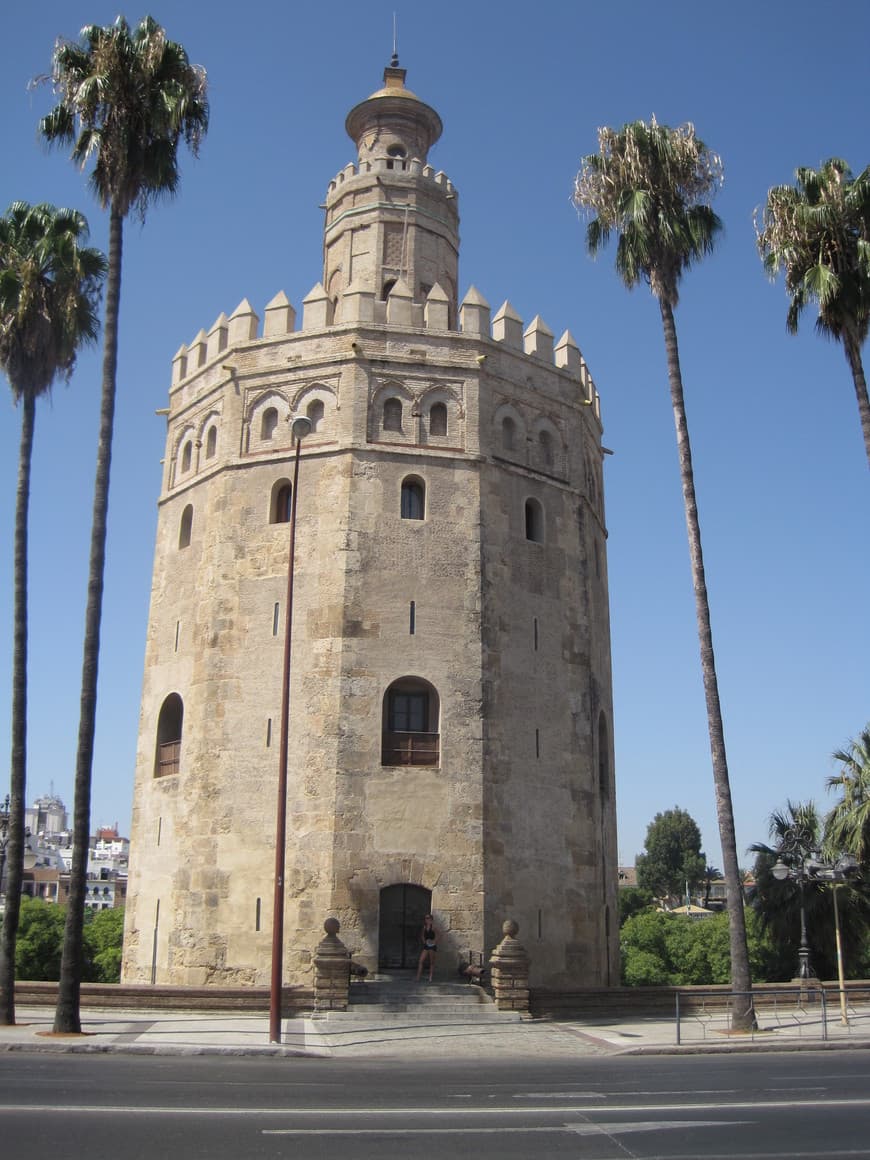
805, 1012
400, 748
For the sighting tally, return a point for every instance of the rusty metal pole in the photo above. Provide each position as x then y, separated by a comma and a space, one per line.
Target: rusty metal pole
300, 429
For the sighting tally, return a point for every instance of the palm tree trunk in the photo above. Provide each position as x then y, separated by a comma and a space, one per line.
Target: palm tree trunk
743, 1014
67, 1016
853, 355
18, 772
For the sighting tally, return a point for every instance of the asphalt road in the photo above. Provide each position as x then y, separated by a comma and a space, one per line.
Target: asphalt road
776, 1107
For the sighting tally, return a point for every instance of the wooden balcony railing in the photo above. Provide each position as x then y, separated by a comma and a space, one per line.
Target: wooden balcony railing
410, 749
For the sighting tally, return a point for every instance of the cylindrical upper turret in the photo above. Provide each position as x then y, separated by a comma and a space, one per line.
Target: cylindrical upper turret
393, 123
391, 220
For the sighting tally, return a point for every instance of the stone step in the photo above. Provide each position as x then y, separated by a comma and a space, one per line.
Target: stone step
371, 1017
417, 994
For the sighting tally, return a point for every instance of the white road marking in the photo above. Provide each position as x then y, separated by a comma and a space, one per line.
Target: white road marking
576, 1129
682, 1108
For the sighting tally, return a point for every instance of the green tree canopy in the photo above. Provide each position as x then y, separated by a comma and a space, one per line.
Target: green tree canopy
660, 949
673, 856
104, 940
40, 941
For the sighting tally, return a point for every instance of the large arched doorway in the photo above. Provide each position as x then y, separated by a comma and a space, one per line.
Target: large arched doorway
403, 908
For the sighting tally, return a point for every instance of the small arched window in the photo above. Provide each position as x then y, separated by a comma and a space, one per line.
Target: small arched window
508, 433
438, 419
167, 759
184, 528
393, 415
282, 499
186, 456
534, 521
387, 287
410, 724
413, 498
545, 448
211, 443
269, 423
395, 153
315, 413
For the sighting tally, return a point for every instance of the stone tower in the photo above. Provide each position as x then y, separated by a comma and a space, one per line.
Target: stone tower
450, 737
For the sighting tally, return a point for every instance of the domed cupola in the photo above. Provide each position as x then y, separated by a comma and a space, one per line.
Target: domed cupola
393, 123
392, 221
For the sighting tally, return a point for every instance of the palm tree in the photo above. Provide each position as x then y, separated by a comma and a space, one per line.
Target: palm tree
818, 232
50, 285
847, 826
650, 185
126, 99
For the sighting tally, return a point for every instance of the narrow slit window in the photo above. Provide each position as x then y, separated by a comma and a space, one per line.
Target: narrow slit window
535, 633
276, 615
534, 521
315, 413
537, 743
413, 503
177, 633
268, 732
392, 415
257, 915
438, 419
185, 528
412, 618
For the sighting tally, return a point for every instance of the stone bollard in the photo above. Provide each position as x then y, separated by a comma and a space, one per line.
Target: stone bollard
331, 970
509, 967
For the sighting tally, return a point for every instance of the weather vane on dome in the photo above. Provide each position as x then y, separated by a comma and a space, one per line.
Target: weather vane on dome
394, 61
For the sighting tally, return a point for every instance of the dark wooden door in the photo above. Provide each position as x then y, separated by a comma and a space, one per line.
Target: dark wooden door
403, 908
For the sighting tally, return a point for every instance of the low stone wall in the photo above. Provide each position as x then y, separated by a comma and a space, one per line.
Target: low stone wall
619, 1002
294, 1001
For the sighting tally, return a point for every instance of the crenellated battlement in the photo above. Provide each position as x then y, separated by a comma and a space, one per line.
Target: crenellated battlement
506, 328
413, 167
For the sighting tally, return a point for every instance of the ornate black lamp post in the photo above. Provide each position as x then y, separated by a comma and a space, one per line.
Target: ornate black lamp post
805, 865
792, 848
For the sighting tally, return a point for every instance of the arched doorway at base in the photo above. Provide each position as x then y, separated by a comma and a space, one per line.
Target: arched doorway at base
402, 910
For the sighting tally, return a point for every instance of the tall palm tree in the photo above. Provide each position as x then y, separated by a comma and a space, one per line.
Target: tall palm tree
650, 185
818, 232
50, 284
847, 826
127, 97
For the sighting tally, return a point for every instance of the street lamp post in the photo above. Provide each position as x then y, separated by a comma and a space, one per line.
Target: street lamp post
810, 867
301, 427
29, 860
794, 847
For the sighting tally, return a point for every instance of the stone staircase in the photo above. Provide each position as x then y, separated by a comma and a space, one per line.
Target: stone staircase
399, 999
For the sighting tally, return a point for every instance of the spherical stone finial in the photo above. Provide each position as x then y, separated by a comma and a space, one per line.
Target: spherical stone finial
332, 926
510, 928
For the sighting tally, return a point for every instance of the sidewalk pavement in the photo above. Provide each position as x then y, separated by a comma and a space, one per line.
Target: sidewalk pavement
206, 1033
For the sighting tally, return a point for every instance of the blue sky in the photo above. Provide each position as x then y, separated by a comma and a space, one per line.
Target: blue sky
780, 468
